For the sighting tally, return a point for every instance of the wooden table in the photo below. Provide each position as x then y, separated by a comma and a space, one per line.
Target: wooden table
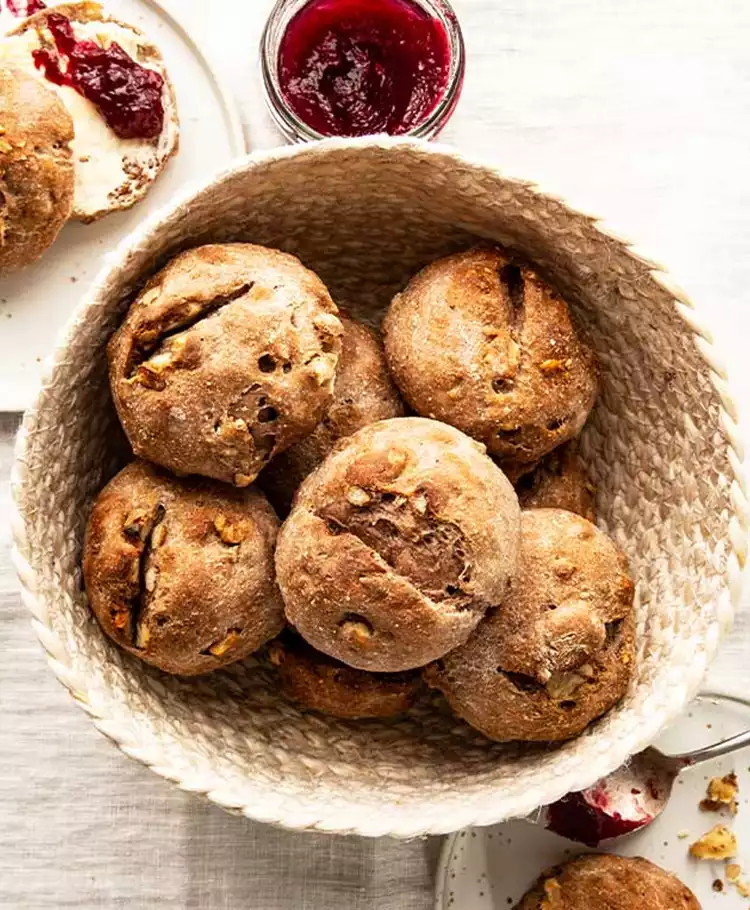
637, 111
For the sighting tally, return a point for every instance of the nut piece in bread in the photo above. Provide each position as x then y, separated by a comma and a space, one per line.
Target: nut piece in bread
227, 357
606, 882
559, 652
397, 544
180, 572
559, 481
319, 682
36, 168
363, 393
111, 173
479, 340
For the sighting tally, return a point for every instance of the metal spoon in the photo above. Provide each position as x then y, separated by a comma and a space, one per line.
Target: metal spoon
629, 798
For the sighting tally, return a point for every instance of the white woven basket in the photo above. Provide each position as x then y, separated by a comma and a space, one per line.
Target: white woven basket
662, 445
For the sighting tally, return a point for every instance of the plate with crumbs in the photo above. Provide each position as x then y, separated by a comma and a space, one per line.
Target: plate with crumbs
492, 868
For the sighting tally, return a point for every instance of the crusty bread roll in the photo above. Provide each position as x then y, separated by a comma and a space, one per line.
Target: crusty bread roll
397, 544
226, 358
36, 168
558, 652
111, 173
480, 341
363, 393
180, 572
607, 882
317, 681
559, 481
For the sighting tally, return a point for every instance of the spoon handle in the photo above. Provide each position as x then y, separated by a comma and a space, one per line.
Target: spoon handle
723, 747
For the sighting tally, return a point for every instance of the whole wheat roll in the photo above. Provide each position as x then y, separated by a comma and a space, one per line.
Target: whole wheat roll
480, 340
608, 882
179, 572
363, 393
397, 545
36, 168
226, 358
559, 652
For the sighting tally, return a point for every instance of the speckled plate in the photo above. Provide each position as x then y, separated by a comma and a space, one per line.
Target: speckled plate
491, 868
35, 303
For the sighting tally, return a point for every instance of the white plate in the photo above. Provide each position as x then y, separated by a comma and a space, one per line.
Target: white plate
36, 302
491, 868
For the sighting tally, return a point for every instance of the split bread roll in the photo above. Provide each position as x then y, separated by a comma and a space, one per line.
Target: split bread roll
112, 172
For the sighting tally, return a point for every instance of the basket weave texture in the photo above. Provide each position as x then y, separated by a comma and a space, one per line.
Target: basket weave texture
662, 447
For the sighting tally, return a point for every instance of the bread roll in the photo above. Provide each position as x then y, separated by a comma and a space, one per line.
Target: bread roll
397, 545
559, 651
607, 882
36, 168
363, 393
111, 173
180, 572
480, 341
226, 358
323, 684
559, 481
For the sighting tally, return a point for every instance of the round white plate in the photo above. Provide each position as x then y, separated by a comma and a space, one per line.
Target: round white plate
491, 868
36, 302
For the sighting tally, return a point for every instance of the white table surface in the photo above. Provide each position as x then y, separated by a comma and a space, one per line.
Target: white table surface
638, 111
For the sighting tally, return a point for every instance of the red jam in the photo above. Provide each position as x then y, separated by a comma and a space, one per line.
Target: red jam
580, 819
358, 67
25, 7
127, 95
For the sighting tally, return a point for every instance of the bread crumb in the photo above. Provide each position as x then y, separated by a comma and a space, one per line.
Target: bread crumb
721, 792
734, 870
718, 843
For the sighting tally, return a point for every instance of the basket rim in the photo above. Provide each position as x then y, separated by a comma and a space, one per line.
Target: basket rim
402, 821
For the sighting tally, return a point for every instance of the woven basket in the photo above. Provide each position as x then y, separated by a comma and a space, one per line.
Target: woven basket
662, 447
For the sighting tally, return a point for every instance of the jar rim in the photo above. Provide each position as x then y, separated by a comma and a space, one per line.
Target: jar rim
297, 130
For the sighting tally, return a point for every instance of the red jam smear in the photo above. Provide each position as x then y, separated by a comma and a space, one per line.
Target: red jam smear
126, 94
577, 818
25, 7
358, 67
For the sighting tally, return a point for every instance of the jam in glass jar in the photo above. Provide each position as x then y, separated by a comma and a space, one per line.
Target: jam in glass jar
360, 67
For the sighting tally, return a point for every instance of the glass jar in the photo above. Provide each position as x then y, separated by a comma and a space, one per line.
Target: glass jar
437, 13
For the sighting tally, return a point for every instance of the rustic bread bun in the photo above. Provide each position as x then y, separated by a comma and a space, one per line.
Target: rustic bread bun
319, 682
36, 168
111, 173
480, 341
180, 572
226, 358
606, 882
559, 481
397, 544
558, 653
363, 393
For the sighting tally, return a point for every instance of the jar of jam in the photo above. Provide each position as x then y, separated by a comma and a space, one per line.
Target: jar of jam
360, 67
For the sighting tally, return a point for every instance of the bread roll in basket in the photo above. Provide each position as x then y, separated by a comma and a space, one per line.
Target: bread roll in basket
662, 446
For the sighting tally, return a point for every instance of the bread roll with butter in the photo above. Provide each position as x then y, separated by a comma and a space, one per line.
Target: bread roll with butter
112, 172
